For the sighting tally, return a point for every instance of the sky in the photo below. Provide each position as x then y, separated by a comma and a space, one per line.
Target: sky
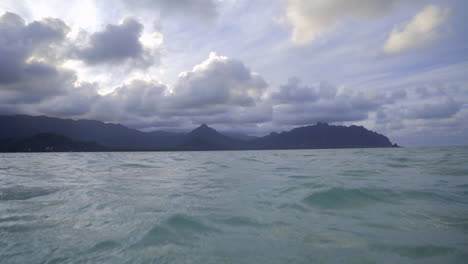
398, 67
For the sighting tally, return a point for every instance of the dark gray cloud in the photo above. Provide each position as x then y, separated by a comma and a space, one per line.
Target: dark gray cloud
293, 92
436, 89
76, 101
38, 82
27, 75
301, 105
337, 110
442, 108
19, 41
115, 44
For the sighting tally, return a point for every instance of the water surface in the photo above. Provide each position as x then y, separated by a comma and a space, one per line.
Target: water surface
406, 205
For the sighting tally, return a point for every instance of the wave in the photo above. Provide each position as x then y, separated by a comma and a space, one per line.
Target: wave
251, 160
104, 246
157, 236
135, 165
360, 173
24, 193
177, 229
413, 251
242, 221
341, 198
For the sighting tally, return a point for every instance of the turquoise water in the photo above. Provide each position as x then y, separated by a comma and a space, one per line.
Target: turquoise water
406, 205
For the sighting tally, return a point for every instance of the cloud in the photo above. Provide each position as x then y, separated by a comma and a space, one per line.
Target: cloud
293, 92
237, 115
219, 90
311, 19
20, 41
339, 109
294, 104
442, 108
197, 8
430, 114
134, 98
27, 74
117, 44
78, 100
422, 30
218, 80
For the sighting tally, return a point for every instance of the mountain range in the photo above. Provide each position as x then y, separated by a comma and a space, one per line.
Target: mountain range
54, 134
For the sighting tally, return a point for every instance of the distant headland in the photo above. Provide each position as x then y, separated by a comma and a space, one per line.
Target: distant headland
23, 133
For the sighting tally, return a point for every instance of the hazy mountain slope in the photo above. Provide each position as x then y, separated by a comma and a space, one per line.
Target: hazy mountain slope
119, 137
323, 136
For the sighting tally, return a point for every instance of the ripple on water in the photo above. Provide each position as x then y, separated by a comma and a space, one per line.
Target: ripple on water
104, 246
136, 166
176, 230
17, 218
216, 164
380, 226
452, 171
242, 221
429, 195
458, 221
187, 224
360, 173
414, 251
25, 193
286, 169
341, 198
158, 235
397, 165
251, 160
400, 159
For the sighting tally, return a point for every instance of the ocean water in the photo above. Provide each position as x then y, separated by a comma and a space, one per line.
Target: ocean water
405, 205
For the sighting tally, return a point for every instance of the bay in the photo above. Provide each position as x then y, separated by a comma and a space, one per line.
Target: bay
396, 205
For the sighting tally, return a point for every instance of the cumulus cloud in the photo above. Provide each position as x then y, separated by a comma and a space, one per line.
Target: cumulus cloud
438, 90
135, 98
435, 110
293, 92
237, 115
20, 41
339, 109
27, 75
296, 104
77, 100
220, 90
311, 19
442, 108
422, 30
117, 44
218, 80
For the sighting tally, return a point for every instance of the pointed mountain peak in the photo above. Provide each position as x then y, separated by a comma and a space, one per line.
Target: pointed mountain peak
203, 129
